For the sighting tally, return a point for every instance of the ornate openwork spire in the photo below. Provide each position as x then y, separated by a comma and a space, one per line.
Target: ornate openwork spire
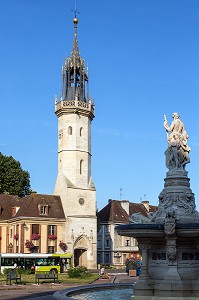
75, 73
75, 52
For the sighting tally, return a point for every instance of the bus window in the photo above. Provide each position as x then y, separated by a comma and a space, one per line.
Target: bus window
39, 262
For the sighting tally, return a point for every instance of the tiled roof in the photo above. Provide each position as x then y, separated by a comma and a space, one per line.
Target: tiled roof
29, 206
114, 212
140, 208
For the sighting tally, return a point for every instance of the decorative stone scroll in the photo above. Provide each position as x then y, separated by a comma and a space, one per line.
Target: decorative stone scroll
170, 223
181, 202
184, 200
171, 253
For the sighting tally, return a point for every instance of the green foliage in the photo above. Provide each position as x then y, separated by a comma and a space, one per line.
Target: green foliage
13, 179
78, 272
107, 266
23, 271
18, 271
6, 271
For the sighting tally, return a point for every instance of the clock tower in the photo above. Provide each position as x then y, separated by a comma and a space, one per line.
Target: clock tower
74, 184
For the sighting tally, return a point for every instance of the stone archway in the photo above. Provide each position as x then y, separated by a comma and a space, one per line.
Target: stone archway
80, 257
80, 251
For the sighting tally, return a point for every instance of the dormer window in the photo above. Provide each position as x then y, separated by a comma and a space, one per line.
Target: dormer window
43, 210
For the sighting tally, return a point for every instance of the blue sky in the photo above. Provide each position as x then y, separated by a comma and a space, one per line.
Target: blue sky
143, 63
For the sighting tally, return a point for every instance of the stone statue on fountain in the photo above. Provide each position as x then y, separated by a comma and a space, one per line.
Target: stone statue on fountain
177, 195
177, 154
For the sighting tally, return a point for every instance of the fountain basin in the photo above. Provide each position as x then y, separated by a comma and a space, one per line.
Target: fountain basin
120, 291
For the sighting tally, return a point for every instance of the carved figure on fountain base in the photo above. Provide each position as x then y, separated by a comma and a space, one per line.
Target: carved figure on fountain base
179, 199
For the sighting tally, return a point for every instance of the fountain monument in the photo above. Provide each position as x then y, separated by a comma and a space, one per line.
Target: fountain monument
169, 239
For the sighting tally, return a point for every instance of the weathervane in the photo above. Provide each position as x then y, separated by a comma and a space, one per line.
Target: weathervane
75, 10
121, 194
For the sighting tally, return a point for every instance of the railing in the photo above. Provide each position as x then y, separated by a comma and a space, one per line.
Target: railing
73, 104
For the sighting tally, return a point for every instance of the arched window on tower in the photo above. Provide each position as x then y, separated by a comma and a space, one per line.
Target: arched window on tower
70, 130
80, 166
81, 131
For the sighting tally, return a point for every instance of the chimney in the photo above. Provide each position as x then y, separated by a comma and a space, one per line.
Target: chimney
146, 204
125, 205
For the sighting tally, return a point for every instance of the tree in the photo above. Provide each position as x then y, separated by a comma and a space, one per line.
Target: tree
13, 179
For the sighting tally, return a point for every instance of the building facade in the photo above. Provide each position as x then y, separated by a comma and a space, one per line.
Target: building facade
113, 249
74, 184
33, 224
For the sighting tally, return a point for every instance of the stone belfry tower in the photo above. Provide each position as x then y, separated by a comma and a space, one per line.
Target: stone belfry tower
74, 184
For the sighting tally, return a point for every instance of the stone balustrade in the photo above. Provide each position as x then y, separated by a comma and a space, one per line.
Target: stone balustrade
74, 104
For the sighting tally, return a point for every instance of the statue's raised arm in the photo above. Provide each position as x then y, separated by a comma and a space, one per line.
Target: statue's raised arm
177, 154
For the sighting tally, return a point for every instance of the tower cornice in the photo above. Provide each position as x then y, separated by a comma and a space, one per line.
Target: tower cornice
75, 106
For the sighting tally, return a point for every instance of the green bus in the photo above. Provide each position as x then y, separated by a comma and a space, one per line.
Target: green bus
37, 262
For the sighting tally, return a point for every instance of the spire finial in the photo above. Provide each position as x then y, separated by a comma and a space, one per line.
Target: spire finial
75, 10
75, 20
75, 51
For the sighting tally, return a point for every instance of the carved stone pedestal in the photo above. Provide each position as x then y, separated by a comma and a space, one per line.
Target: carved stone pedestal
177, 198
